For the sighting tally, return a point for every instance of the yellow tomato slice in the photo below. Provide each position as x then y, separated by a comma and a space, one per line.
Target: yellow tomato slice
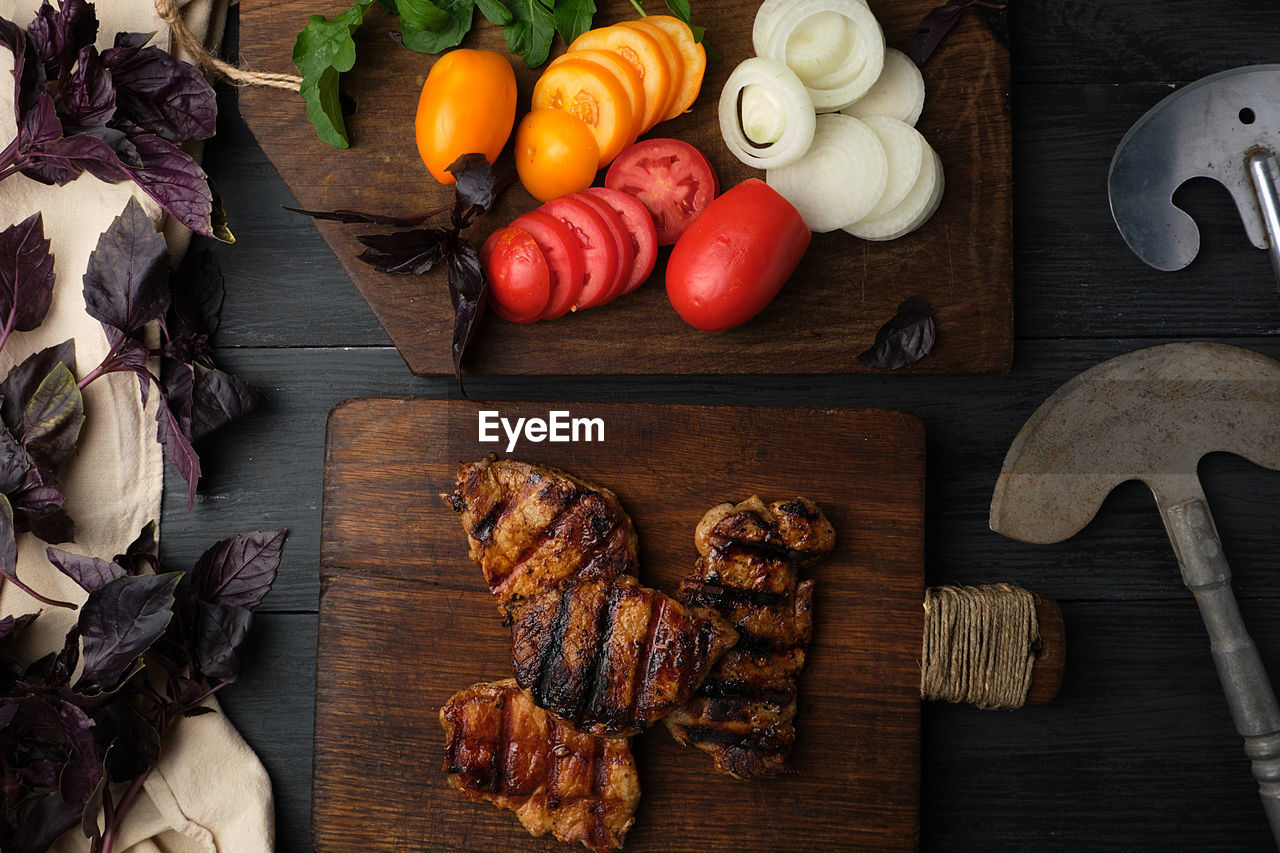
641, 51
593, 94
694, 58
625, 73
671, 58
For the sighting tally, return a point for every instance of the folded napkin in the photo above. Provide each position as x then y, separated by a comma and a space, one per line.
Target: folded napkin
209, 793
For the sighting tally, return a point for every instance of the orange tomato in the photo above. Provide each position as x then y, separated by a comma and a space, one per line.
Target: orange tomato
673, 58
624, 72
593, 94
468, 105
640, 50
556, 154
693, 56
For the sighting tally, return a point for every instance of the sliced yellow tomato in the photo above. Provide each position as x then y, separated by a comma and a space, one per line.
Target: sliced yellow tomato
641, 51
693, 56
593, 94
672, 58
625, 73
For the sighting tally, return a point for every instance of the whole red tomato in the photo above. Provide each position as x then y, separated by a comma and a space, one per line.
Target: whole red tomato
735, 257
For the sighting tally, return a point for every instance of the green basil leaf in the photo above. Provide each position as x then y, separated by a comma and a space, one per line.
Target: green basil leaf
323, 50
52, 418
495, 12
460, 14
531, 31
679, 8
422, 15
573, 18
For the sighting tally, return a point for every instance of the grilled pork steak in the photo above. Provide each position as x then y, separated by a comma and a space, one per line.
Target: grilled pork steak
612, 656
502, 748
532, 528
742, 714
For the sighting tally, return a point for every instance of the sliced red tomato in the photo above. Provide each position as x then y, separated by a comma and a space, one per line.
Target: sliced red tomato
564, 260
670, 178
732, 262
599, 251
519, 280
621, 239
639, 225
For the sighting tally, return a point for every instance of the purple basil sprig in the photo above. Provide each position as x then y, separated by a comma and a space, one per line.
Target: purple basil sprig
119, 115
82, 728
907, 337
940, 21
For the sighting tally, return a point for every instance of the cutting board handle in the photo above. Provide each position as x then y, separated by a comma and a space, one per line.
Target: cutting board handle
996, 646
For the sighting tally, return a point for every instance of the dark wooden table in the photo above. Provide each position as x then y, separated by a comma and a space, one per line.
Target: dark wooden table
1138, 751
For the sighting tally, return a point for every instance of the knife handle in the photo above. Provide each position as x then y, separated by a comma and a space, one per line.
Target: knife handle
1244, 679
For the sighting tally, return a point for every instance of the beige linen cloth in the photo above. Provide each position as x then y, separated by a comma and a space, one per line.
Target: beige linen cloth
209, 793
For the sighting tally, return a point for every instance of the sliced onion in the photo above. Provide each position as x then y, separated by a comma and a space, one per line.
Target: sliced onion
820, 46
914, 211
793, 15
898, 93
905, 149
840, 179
780, 90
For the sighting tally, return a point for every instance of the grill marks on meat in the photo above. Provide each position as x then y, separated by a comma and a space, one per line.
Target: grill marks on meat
611, 657
743, 713
502, 748
532, 527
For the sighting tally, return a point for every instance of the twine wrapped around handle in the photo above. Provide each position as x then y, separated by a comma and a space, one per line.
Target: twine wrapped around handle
170, 12
980, 645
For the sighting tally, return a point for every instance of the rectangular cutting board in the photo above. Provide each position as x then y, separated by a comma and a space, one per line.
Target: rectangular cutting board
405, 621
844, 289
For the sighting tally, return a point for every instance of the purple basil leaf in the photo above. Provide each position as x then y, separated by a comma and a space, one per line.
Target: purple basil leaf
165, 95
474, 188
175, 181
466, 291
178, 449
221, 632
29, 80
8, 543
355, 216
93, 805
906, 338
11, 626
7, 712
51, 419
61, 34
65, 662
120, 621
117, 141
217, 399
129, 743
178, 384
405, 252
134, 40
26, 274
39, 124
60, 161
88, 97
934, 27
83, 770
238, 570
89, 572
198, 292
140, 556
40, 820
38, 507
189, 349
126, 284
23, 379
15, 462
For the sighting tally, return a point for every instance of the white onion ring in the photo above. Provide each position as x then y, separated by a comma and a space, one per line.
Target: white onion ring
792, 14
791, 95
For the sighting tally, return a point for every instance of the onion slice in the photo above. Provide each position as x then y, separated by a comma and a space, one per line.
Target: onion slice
905, 149
914, 211
794, 16
780, 101
898, 93
840, 179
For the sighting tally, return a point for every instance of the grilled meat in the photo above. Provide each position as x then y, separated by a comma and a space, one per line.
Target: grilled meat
532, 528
742, 714
502, 748
612, 656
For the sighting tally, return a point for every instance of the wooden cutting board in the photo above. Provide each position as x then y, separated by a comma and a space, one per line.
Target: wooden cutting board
845, 288
405, 621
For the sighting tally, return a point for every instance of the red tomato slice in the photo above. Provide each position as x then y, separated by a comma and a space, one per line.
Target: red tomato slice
670, 178
621, 239
598, 248
639, 225
731, 263
519, 280
564, 259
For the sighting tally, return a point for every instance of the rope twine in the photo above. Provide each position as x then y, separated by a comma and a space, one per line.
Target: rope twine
980, 645
170, 12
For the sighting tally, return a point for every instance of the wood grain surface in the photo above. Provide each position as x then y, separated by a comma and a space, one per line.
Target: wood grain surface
844, 289
405, 621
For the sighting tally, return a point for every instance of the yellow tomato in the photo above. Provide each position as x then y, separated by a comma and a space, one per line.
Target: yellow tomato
593, 94
556, 154
468, 105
